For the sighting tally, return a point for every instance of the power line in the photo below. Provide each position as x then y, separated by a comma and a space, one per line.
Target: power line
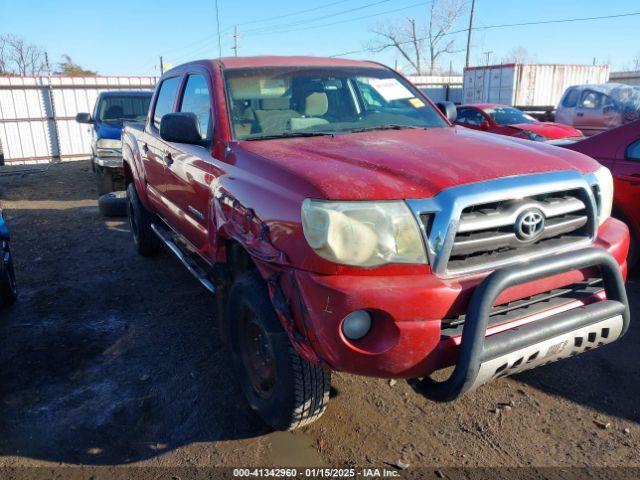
505, 25
348, 20
292, 14
209, 37
203, 47
315, 19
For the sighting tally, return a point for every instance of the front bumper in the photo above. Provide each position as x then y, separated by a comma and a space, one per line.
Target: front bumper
406, 340
482, 359
114, 162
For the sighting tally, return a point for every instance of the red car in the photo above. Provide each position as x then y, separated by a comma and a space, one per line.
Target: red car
619, 150
506, 120
344, 224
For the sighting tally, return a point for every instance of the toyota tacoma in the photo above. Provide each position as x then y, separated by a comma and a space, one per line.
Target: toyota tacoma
344, 223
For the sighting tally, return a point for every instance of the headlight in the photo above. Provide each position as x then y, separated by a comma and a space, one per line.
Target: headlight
536, 137
109, 143
363, 234
605, 191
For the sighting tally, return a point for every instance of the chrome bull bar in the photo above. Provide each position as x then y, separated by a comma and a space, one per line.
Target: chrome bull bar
482, 358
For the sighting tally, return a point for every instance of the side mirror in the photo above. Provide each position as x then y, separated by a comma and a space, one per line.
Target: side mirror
484, 125
181, 127
84, 118
449, 110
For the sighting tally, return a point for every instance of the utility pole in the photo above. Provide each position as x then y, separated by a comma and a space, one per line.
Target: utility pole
56, 154
235, 41
218, 28
161, 66
473, 9
488, 54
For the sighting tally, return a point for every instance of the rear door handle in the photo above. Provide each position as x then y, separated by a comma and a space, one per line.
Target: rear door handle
168, 159
580, 114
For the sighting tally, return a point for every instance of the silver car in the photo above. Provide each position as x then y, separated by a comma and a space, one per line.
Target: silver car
596, 108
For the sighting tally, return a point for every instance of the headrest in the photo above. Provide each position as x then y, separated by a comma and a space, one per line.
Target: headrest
316, 104
279, 103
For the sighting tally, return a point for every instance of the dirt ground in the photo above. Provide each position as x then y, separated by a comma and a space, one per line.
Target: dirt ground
112, 359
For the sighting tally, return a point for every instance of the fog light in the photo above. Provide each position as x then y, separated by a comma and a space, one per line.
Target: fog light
356, 325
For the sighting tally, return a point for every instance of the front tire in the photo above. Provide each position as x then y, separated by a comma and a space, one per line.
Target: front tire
146, 241
8, 289
286, 390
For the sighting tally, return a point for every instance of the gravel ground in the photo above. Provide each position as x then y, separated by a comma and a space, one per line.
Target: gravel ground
112, 359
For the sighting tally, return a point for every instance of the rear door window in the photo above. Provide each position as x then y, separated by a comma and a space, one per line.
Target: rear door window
166, 99
196, 99
571, 98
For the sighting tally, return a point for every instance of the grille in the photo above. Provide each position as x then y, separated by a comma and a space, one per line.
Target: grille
487, 235
528, 306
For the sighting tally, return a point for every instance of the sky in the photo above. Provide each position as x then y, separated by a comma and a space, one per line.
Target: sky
118, 37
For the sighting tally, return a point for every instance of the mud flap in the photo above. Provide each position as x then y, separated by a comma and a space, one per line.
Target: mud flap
482, 359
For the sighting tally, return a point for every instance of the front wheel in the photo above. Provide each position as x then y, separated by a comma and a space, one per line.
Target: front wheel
8, 289
286, 390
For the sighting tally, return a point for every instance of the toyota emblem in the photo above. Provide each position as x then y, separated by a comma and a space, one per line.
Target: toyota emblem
529, 225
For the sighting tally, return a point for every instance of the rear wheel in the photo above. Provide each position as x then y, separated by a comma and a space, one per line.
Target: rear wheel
104, 181
286, 390
146, 241
8, 289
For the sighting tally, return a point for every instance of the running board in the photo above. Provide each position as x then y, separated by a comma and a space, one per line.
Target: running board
188, 263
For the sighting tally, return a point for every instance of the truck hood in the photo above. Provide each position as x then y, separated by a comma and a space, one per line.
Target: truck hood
400, 164
111, 131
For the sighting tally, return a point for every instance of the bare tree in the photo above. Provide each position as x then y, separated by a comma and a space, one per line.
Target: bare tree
3, 55
415, 44
518, 54
441, 20
403, 38
636, 63
19, 57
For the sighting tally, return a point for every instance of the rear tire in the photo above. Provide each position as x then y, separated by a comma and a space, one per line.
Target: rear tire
146, 241
113, 204
104, 181
8, 289
286, 390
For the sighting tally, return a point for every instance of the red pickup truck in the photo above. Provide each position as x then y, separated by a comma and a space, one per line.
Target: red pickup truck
345, 224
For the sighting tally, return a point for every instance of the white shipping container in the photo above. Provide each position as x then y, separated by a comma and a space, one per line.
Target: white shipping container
527, 85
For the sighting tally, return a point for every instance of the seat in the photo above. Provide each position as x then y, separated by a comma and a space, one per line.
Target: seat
316, 105
274, 114
114, 112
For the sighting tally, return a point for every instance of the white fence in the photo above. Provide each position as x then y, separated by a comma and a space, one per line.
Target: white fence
37, 114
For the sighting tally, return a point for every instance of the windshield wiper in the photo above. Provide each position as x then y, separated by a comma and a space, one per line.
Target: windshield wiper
386, 127
292, 134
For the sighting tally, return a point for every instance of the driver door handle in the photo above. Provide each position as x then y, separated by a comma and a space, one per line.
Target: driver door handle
168, 159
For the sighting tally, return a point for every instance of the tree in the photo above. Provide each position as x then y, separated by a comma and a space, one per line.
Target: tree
518, 54
636, 63
67, 67
19, 57
412, 41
